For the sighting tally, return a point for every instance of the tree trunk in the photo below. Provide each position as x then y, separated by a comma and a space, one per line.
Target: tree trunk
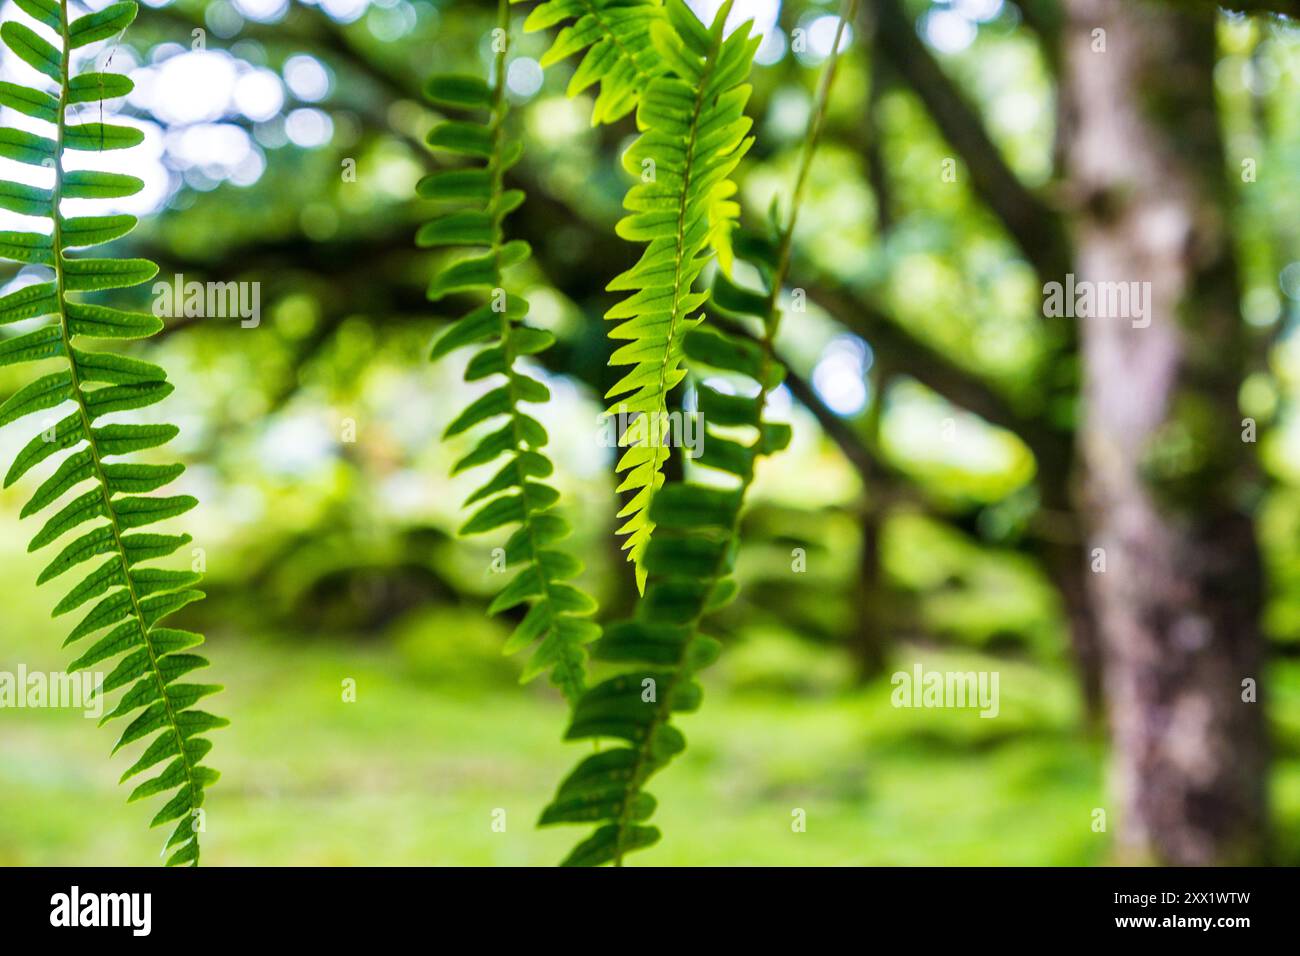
1165, 466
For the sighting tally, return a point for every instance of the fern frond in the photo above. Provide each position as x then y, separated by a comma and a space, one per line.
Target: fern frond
689, 564
616, 37
557, 620
687, 85
695, 133
691, 558
133, 600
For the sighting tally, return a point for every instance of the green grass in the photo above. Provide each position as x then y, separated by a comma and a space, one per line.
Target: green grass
412, 772
440, 738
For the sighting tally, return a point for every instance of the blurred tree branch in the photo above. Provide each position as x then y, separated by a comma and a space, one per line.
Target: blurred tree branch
1033, 225
377, 275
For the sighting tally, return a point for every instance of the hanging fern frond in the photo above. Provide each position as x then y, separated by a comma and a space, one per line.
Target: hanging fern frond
690, 560
616, 37
695, 135
688, 86
689, 564
133, 600
557, 621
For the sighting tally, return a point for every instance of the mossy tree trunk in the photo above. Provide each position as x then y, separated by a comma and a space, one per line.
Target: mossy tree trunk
1166, 470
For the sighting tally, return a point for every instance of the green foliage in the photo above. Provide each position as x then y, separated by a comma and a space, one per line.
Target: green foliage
689, 562
133, 600
477, 205
616, 37
688, 86
689, 565
695, 133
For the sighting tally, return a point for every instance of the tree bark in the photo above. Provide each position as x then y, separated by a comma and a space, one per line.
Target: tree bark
1166, 468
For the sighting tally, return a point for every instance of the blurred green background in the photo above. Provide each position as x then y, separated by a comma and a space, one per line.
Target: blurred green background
327, 518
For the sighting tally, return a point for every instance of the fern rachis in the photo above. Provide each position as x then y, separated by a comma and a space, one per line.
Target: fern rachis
136, 599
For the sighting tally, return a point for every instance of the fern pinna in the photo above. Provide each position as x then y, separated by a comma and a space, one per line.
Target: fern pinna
690, 559
557, 617
615, 35
133, 600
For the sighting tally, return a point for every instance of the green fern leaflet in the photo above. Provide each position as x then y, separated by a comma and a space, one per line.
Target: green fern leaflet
557, 620
133, 600
615, 35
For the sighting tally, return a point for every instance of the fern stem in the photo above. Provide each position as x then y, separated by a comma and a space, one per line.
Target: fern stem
79, 397
786, 243
687, 174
